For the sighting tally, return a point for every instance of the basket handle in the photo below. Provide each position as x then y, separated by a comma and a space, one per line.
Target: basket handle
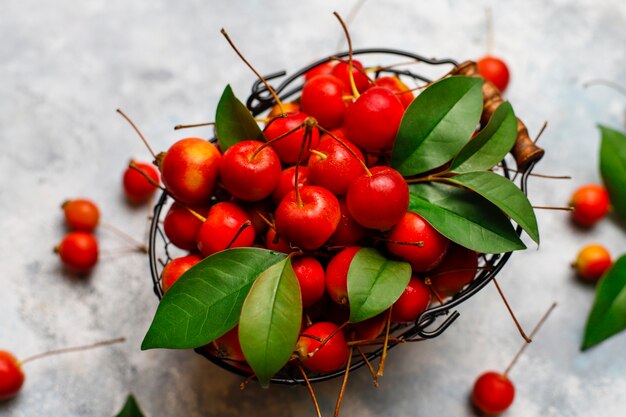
524, 151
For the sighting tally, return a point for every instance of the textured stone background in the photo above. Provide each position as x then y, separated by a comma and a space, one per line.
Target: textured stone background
66, 65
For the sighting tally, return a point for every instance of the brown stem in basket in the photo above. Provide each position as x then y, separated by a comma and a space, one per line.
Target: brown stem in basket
144, 140
177, 127
532, 335
368, 364
355, 91
350, 151
508, 307
323, 342
267, 85
245, 224
525, 151
308, 385
72, 349
343, 384
383, 358
429, 284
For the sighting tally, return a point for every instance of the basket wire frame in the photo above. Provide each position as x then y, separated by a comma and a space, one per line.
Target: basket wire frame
432, 322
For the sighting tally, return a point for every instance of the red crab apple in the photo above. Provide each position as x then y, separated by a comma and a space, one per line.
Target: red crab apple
331, 357
333, 166
322, 98
176, 268
494, 69
396, 86
310, 221
337, 274
250, 171
493, 393
456, 270
342, 71
189, 170
11, 376
78, 251
225, 228
311, 278
413, 302
378, 199
288, 148
136, 187
372, 121
592, 262
590, 203
81, 214
417, 242
181, 226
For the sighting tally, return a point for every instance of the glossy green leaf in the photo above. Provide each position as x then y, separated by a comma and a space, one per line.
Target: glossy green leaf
206, 301
234, 122
270, 320
613, 167
464, 217
131, 408
437, 124
608, 314
374, 283
505, 195
492, 143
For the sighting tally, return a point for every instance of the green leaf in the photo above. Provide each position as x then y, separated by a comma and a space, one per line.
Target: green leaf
131, 408
374, 283
464, 217
505, 195
492, 143
608, 314
437, 124
206, 301
613, 167
234, 122
270, 320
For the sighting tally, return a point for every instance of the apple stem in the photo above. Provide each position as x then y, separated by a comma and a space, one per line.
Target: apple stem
267, 221
543, 128
355, 91
267, 85
361, 70
196, 214
244, 225
308, 385
380, 340
330, 336
489, 16
532, 335
508, 307
343, 383
322, 155
383, 357
429, 284
613, 85
306, 139
177, 127
400, 242
123, 235
245, 382
123, 251
368, 364
345, 145
152, 182
276, 139
138, 132
72, 349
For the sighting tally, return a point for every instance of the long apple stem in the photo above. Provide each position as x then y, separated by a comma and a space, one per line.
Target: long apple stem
355, 91
267, 85
532, 335
145, 141
73, 349
508, 307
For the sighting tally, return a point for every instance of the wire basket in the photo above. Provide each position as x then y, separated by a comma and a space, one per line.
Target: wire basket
432, 322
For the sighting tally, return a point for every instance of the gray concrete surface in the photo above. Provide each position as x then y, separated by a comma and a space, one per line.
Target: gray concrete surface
66, 65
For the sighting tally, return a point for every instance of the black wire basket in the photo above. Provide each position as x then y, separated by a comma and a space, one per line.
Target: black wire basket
432, 322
